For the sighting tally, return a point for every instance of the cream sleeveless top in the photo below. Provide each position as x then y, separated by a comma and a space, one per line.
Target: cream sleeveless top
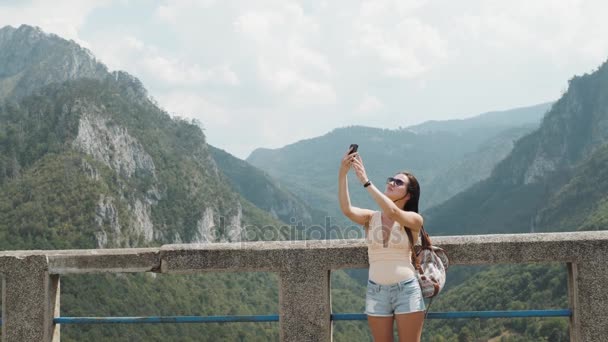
390, 264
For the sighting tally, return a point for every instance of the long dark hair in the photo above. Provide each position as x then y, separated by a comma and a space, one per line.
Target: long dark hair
413, 188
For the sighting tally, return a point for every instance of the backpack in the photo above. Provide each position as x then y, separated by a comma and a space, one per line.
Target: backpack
431, 262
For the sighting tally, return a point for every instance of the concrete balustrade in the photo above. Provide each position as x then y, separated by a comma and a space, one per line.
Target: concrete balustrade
31, 278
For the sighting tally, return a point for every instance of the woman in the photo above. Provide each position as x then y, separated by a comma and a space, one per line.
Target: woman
393, 292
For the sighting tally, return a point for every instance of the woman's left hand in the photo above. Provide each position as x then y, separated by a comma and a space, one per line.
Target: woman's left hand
357, 165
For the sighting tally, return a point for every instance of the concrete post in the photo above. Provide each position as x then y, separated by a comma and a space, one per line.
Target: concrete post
305, 305
587, 280
30, 298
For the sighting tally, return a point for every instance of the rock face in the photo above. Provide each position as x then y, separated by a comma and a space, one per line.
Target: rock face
205, 228
229, 230
113, 146
106, 214
234, 228
110, 144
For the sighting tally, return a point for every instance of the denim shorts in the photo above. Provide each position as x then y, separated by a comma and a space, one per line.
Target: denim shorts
387, 300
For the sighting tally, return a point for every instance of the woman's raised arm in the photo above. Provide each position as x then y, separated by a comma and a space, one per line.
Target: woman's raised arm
358, 215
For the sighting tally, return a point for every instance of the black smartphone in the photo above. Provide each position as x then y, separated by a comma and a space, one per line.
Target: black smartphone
353, 148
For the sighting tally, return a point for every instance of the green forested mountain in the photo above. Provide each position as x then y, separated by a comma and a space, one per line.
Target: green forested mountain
506, 119
61, 189
585, 195
553, 180
473, 167
549, 173
259, 188
93, 162
436, 152
169, 191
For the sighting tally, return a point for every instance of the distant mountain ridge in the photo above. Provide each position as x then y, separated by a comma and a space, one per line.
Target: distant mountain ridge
260, 189
530, 115
539, 168
436, 152
474, 166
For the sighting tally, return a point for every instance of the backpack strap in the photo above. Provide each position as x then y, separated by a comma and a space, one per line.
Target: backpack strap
428, 307
426, 240
415, 261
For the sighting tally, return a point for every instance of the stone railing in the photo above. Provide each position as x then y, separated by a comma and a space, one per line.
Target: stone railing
31, 278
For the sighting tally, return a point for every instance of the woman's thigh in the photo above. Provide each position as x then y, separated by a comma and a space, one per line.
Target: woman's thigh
409, 326
381, 328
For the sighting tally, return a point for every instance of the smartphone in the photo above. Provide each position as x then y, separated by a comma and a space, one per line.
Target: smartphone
353, 148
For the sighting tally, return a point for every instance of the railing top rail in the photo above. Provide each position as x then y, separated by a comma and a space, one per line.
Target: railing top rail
327, 254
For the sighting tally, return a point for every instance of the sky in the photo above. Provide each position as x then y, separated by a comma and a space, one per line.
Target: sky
270, 73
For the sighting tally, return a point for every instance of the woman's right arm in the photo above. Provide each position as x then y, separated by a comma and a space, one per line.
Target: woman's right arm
358, 215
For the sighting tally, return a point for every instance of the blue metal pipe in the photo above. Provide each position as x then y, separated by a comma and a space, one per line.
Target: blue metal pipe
166, 319
275, 318
472, 314
502, 314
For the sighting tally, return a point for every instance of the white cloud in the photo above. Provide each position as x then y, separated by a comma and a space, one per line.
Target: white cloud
282, 39
150, 62
194, 105
555, 30
291, 83
402, 45
171, 10
257, 25
62, 17
274, 71
262, 128
370, 104
134, 43
176, 72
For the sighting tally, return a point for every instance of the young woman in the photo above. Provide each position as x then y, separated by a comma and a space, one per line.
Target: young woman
393, 292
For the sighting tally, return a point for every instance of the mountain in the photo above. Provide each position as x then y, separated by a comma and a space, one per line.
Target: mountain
554, 179
523, 116
31, 59
266, 193
545, 175
157, 180
89, 160
458, 153
168, 191
582, 202
475, 166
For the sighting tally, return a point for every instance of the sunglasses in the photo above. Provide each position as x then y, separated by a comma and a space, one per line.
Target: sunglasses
397, 181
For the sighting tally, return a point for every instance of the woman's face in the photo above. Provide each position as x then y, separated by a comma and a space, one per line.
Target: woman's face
394, 191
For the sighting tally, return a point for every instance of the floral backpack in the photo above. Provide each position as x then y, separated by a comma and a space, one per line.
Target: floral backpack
431, 262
